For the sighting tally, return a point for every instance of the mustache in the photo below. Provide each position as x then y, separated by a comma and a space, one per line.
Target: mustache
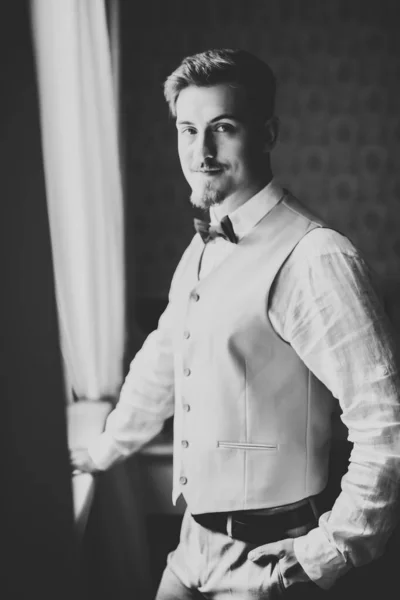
209, 166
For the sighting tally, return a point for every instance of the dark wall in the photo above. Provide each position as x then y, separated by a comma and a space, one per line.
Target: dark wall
338, 69
37, 537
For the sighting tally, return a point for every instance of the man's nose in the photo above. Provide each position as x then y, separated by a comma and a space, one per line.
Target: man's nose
205, 146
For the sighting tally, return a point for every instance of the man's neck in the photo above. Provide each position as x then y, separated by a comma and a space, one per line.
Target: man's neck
231, 203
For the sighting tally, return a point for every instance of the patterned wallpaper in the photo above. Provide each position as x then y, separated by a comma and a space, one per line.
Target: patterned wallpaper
338, 69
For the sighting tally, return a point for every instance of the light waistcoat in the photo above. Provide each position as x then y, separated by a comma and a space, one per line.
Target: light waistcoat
252, 424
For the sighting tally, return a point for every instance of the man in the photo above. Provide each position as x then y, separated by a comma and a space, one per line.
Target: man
272, 322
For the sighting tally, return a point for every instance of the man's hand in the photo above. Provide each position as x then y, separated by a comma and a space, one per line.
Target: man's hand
291, 570
81, 461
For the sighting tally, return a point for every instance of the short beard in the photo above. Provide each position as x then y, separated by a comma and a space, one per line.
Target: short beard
209, 197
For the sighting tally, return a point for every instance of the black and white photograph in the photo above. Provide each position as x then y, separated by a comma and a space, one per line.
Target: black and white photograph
201, 299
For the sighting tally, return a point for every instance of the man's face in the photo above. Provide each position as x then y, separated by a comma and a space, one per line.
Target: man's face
220, 144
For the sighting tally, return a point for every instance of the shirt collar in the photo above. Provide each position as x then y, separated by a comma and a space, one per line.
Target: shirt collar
246, 216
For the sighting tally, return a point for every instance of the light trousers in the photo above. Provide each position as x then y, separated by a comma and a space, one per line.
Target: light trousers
208, 564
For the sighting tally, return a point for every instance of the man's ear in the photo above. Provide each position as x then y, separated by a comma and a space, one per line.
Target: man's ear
271, 131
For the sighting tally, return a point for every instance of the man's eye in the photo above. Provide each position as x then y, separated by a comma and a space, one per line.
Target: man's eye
188, 131
224, 128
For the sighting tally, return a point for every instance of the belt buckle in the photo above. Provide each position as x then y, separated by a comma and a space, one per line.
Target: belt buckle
313, 504
229, 525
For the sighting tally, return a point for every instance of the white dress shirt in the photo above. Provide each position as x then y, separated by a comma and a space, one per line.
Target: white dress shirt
323, 304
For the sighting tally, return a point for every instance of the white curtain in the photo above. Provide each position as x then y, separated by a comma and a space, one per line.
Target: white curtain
79, 122
78, 77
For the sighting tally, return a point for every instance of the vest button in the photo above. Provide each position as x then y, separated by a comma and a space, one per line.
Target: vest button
186, 334
185, 443
186, 407
195, 296
183, 480
186, 372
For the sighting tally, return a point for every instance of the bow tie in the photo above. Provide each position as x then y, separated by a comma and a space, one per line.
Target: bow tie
209, 232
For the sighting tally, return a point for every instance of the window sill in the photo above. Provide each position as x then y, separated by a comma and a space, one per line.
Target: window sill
85, 420
82, 491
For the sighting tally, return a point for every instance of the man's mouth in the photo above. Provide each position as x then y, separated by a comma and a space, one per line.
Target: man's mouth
209, 171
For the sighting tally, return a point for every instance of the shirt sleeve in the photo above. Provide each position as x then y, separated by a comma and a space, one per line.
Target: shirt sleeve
147, 396
324, 304
146, 399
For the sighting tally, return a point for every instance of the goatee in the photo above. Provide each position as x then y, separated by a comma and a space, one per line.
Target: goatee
209, 197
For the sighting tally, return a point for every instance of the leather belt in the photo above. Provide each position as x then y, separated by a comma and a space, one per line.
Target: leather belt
260, 528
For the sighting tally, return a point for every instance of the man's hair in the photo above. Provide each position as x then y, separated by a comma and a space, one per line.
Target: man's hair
232, 66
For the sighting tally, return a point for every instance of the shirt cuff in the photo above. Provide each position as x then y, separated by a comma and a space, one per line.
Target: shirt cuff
104, 452
319, 559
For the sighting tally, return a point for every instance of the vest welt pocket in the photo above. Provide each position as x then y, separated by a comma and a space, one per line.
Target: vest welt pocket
247, 446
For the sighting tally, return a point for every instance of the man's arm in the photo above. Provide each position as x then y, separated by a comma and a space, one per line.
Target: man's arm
324, 305
146, 399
